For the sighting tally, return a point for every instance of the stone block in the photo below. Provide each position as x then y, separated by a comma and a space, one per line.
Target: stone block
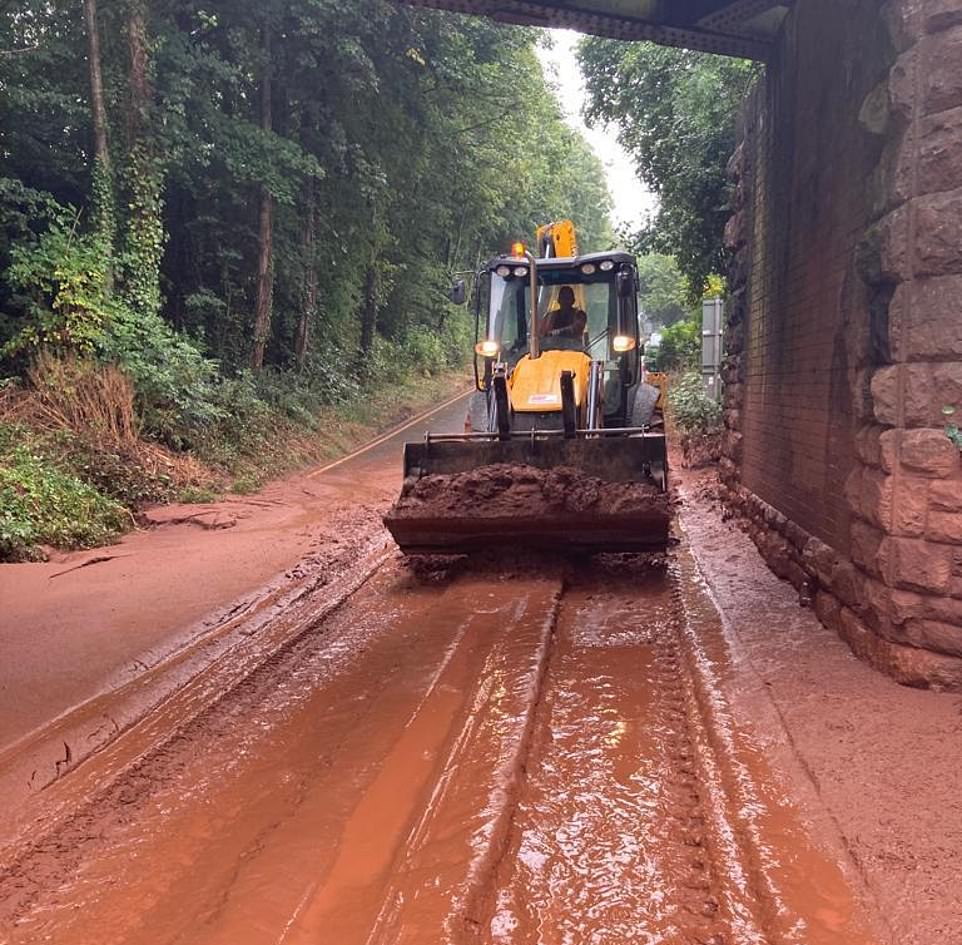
908, 665
924, 320
894, 180
735, 234
909, 20
893, 238
940, 55
938, 234
797, 537
933, 635
902, 95
885, 395
917, 395
867, 448
939, 154
820, 561
946, 389
938, 15
910, 509
915, 565
946, 496
847, 583
852, 489
877, 498
731, 445
889, 449
928, 453
904, 605
864, 543
901, 24
945, 527
945, 609
827, 609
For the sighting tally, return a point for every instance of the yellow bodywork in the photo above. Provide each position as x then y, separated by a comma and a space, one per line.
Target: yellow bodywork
536, 385
660, 380
561, 236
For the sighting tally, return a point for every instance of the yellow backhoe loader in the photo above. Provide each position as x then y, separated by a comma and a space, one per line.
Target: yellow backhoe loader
559, 389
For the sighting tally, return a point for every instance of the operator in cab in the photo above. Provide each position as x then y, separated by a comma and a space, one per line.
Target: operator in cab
565, 321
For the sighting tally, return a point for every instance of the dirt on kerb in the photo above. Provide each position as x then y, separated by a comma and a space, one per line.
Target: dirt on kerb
532, 506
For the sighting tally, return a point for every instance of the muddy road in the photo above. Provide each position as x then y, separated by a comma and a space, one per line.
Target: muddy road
495, 750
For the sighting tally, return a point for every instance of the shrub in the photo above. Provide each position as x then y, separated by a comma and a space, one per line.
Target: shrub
680, 348
693, 411
40, 503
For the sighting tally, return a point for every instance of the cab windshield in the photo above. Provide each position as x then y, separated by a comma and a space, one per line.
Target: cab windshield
594, 294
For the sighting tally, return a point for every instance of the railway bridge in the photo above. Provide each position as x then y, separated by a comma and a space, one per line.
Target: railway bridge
843, 336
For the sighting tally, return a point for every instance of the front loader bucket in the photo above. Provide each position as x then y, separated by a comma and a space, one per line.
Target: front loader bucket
591, 493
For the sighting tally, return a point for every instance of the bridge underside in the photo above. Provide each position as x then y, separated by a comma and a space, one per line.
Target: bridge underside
743, 28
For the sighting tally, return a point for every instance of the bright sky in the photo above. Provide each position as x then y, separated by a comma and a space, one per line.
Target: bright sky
632, 201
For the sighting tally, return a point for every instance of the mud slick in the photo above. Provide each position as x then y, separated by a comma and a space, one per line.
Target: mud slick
511, 506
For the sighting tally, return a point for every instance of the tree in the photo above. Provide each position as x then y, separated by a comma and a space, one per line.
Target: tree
294, 185
675, 111
664, 293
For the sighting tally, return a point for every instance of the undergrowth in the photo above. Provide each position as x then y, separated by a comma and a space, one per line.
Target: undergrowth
693, 412
43, 503
80, 454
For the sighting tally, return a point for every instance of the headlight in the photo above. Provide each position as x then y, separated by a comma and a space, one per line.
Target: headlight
622, 343
520, 271
607, 266
588, 269
487, 349
503, 271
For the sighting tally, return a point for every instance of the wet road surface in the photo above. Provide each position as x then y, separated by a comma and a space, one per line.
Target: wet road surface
477, 756
524, 750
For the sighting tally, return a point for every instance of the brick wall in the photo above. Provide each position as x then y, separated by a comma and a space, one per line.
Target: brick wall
844, 330
812, 202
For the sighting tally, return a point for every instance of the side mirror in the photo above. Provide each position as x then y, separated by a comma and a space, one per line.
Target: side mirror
458, 293
626, 284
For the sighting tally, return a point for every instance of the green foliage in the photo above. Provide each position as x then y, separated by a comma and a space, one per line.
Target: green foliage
694, 413
675, 111
680, 348
404, 146
60, 278
664, 294
40, 503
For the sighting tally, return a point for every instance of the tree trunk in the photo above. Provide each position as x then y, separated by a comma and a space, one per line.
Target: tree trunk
369, 309
144, 183
265, 239
102, 183
309, 305
137, 81
98, 110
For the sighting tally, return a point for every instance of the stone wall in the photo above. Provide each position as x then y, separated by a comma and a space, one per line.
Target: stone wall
844, 325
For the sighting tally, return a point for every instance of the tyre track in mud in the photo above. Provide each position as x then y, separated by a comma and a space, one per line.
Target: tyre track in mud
509, 753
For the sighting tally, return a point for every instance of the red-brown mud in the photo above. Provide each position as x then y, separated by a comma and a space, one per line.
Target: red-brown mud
517, 504
508, 491
489, 756
507, 750
878, 764
71, 631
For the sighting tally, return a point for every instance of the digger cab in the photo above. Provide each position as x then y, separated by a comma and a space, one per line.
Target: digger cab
602, 353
